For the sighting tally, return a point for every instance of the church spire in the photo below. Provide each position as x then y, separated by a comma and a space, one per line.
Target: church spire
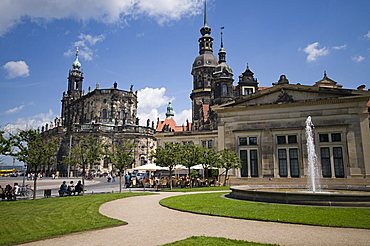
222, 51
206, 41
205, 13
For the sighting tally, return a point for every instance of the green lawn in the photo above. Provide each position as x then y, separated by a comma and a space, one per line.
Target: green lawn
215, 204
206, 241
208, 188
25, 221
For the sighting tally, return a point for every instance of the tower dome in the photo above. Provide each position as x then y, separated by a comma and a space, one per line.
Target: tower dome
76, 64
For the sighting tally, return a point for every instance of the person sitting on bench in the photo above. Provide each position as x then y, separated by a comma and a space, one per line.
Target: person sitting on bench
63, 189
78, 188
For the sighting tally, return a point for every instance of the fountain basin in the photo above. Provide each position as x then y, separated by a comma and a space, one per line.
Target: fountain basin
302, 197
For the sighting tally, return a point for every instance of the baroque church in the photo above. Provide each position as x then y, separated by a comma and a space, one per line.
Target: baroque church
266, 125
110, 114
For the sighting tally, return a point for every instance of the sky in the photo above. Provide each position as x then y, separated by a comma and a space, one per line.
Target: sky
152, 44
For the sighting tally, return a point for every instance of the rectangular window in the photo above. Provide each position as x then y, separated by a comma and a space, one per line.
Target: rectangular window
253, 141
244, 160
283, 171
324, 138
243, 141
338, 162
325, 162
281, 140
336, 137
254, 163
292, 139
204, 143
293, 160
210, 144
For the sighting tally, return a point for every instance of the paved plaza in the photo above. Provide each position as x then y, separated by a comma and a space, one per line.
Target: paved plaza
151, 224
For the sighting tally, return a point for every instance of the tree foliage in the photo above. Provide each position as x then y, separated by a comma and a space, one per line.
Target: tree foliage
31, 148
229, 159
122, 156
5, 144
208, 158
84, 153
168, 156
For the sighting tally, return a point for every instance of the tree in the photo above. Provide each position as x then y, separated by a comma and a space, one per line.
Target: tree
190, 156
229, 159
5, 144
208, 158
168, 157
30, 149
122, 157
50, 151
86, 152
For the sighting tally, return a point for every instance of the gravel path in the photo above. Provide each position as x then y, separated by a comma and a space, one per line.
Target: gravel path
151, 224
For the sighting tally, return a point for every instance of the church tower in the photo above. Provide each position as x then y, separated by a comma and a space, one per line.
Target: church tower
75, 78
222, 78
202, 71
74, 92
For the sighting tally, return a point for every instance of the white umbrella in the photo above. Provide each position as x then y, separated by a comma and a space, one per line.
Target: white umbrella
199, 166
179, 167
150, 167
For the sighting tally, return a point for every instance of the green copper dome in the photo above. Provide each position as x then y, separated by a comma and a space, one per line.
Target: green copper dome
169, 113
76, 64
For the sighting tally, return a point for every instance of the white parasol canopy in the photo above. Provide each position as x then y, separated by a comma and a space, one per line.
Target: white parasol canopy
199, 166
150, 167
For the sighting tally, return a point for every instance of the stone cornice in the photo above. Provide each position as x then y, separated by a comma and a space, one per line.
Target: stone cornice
325, 101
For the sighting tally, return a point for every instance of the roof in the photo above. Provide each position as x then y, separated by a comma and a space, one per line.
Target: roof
167, 124
324, 92
327, 82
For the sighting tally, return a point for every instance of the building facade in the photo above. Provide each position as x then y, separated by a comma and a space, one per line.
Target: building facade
266, 125
109, 114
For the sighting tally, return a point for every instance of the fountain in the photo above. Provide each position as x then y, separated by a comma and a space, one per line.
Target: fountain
312, 176
310, 195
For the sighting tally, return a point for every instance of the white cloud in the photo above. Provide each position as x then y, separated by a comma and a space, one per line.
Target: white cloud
313, 51
13, 12
340, 47
15, 69
152, 104
140, 34
85, 45
14, 110
367, 35
358, 58
183, 116
32, 122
